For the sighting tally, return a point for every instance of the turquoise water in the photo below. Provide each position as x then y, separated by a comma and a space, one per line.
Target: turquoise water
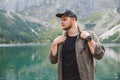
31, 62
109, 67
26, 62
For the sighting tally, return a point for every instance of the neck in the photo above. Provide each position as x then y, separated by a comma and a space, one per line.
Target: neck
73, 31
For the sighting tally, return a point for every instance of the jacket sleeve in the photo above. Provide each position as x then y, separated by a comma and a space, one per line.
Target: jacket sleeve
99, 49
53, 59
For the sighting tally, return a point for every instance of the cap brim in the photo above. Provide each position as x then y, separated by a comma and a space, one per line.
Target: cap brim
60, 15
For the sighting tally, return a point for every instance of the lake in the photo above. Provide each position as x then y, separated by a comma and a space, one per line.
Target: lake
31, 62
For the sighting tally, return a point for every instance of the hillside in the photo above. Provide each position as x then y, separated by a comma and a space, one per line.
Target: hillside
106, 25
112, 35
16, 28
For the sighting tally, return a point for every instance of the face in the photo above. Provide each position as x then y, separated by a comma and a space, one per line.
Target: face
66, 22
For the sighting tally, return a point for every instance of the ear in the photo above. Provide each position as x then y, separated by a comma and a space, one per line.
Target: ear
73, 19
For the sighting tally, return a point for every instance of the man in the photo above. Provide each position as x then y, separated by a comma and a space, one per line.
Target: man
75, 50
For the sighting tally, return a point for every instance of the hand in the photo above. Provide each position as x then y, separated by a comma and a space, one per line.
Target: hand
84, 34
59, 39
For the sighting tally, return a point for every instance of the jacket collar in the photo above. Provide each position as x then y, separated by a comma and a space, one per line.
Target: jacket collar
66, 33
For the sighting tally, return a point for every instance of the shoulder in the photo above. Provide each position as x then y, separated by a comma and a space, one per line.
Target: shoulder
94, 36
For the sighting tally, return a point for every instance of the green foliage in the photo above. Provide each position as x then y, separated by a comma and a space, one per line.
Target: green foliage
18, 30
47, 35
14, 30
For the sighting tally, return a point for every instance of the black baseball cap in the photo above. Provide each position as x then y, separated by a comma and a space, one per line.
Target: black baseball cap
67, 13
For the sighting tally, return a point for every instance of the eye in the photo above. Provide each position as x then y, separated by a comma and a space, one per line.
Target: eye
64, 19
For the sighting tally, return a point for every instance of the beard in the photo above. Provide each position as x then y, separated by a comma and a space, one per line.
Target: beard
67, 28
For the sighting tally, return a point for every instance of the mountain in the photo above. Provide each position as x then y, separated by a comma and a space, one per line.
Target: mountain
84, 8
106, 25
27, 21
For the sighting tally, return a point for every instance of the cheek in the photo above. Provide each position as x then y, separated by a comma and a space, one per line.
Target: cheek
67, 22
